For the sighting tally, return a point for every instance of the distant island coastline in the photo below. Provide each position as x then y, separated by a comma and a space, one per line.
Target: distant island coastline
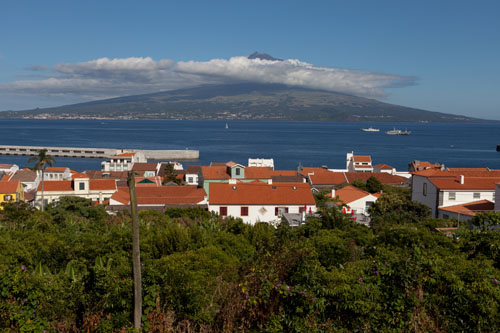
243, 101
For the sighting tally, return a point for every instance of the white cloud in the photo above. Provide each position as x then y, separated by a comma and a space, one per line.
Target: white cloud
296, 73
102, 78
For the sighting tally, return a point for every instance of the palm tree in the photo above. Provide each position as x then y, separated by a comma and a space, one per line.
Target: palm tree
41, 162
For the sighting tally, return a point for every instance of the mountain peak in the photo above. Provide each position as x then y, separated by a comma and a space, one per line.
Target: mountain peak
263, 56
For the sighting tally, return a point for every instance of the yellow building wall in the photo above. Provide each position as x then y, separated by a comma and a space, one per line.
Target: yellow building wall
16, 196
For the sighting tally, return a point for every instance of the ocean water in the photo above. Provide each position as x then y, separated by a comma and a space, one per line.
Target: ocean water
289, 143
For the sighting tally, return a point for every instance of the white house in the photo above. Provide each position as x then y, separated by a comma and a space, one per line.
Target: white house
261, 162
357, 200
465, 212
57, 173
29, 178
259, 201
98, 190
123, 162
358, 163
384, 168
9, 168
436, 188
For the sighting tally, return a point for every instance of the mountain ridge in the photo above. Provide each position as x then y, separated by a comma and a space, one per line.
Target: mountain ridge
242, 101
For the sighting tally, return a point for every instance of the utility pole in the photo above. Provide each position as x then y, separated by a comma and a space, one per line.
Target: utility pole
136, 253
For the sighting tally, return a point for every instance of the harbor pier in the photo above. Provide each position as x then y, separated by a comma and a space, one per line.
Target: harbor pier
79, 152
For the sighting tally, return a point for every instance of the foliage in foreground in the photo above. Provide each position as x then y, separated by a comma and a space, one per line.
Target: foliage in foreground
69, 268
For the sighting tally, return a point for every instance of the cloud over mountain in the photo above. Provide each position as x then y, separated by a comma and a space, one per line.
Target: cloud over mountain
104, 77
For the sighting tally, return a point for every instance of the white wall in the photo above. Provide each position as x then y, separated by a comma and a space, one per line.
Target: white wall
359, 206
256, 213
452, 215
462, 197
431, 199
497, 197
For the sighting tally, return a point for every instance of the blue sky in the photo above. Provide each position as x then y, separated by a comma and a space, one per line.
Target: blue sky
435, 55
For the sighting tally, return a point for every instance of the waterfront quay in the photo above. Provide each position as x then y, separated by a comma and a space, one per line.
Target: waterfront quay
100, 152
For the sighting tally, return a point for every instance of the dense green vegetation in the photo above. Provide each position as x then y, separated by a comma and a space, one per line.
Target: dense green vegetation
69, 268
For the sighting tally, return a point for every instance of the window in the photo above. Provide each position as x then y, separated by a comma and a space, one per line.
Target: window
237, 171
244, 211
452, 195
7, 197
446, 216
424, 190
476, 195
190, 180
81, 186
223, 211
278, 211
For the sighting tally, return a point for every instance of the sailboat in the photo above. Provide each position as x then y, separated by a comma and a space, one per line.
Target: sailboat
227, 126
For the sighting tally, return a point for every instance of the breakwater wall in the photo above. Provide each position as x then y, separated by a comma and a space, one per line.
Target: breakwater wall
99, 152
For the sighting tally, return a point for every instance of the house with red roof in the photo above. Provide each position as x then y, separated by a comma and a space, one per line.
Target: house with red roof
382, 167
123, 162
162, 197
259, 201
80, 185
320, 178
465, 211
358, 163
417, 165
443, 188
11, 191
232, 172
355, 201
57, 173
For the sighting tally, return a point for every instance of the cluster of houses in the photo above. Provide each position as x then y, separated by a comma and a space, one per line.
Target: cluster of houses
255, 192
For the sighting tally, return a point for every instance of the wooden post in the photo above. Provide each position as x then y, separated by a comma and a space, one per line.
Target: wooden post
136, 254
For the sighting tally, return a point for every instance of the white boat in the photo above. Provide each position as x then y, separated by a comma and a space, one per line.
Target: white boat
370, 129
397, 132
227, 126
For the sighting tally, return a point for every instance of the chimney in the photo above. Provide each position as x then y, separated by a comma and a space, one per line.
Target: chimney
462, 179
333, 193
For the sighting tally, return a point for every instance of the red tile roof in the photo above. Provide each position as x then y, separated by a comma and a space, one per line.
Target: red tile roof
383, 166
351, 193
307, 170
362, 158
383, 177
260, 194
214, 172
470, 208
79, 175
165, 195
24, 175
9, 187
56, 169
144, 167
328, 178
470, 183
56, 185
102, 184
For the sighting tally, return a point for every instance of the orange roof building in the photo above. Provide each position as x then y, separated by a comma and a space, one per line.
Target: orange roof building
451, 187
81, 185
11, 191
260, 201
464, 212
161, 196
